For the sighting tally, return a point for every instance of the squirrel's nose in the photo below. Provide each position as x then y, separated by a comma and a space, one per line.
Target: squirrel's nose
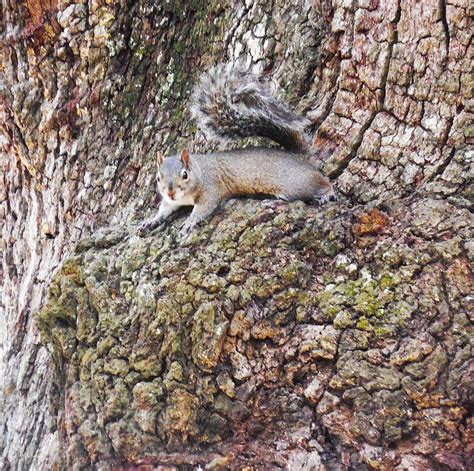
171, 193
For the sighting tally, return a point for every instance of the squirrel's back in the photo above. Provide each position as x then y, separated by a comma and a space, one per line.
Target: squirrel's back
262, 171
230, 102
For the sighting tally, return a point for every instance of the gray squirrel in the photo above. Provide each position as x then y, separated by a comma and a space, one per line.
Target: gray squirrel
228, 103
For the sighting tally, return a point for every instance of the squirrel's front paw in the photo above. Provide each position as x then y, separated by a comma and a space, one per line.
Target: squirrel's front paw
187, 228
146, 226
143, 228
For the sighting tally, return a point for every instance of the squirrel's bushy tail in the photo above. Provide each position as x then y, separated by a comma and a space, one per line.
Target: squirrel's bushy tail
230, 102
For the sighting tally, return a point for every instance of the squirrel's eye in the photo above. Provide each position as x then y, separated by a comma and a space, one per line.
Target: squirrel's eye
184, 175
158, 178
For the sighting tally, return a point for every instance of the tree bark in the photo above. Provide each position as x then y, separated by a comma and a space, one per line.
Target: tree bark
281, 335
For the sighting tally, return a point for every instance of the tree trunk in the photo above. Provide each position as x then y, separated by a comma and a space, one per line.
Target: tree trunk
280, 335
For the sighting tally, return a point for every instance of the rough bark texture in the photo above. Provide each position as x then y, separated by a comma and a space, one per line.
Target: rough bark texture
280, 335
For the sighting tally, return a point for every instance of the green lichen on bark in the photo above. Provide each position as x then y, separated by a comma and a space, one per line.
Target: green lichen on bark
188, 339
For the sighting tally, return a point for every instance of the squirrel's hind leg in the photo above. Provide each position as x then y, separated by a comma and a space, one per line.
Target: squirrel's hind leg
324, 190
320, 198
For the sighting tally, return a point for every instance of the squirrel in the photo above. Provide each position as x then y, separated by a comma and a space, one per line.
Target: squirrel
228, 103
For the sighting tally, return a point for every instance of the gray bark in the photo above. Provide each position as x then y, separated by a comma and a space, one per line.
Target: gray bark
90, 91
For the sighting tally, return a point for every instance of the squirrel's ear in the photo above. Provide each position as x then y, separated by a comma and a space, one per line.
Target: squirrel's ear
185, 158
159, 158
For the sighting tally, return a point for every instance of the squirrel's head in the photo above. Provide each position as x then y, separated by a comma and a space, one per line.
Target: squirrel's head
174, 177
